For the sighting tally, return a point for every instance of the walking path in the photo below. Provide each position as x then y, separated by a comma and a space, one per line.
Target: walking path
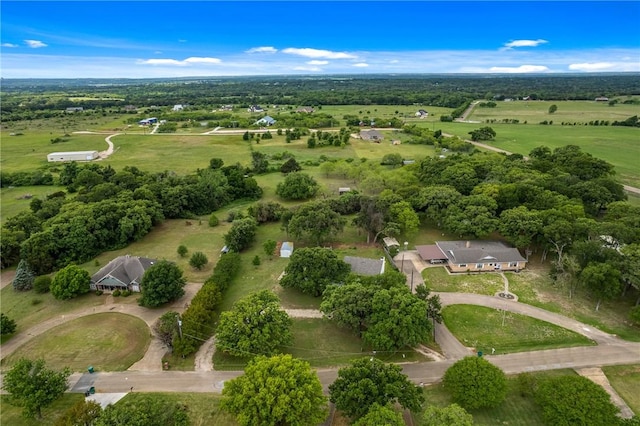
597, 376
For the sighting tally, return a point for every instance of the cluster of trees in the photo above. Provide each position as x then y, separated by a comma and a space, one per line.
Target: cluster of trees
483, 134
424, 136
320, 138
113, 209
163, 282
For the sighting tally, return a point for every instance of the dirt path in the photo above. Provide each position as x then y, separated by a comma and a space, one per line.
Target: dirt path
204, 357
303, 313
6, 277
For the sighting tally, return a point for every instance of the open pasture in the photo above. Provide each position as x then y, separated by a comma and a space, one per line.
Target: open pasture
616, 145
16, 199
90, 340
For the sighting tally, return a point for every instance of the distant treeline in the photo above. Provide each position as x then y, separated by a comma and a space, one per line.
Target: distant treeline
451, 91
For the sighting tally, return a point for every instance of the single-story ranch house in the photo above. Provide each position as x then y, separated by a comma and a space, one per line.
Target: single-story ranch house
473, 256
122, 273
365, 266
371, 135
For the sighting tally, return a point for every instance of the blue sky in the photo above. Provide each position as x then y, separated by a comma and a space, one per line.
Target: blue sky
80, 39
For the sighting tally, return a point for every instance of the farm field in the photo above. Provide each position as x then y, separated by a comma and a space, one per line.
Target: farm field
89, 340
486, 329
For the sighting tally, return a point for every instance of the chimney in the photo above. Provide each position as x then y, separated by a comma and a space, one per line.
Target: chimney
468, 244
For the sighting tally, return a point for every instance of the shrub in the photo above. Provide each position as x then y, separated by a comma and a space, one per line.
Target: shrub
36, 301
125, 293
41, 284
256, 261
116, 293
69, 282
182, 250
198, 260
213, 220
99, 292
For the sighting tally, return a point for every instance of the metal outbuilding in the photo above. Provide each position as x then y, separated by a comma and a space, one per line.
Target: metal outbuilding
72, 156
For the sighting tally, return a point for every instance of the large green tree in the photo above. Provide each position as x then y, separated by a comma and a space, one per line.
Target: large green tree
166, 327
24, 278
297, 186
275, 391
369, 381
315, 222
33, 386
603, 280
241, 234
163, 282
474, 382
575, 400
256, 325
83, 413
381, 415
312, 269
70, 282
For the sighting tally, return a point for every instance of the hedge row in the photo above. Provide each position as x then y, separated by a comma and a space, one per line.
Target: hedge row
199, 317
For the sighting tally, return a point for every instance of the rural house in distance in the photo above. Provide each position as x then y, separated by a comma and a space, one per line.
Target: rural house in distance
122, 273
473, 256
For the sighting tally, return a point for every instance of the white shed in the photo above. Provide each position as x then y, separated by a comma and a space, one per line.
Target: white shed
286, 249
72, 156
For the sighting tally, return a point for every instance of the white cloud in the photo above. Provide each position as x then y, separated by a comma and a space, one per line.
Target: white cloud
594, 66
520, 69
523, 43
394, 61
9, 45
188, 61
198, 60
360, 65
314, 62
262, 49
314, 69
34, 44
158, 52
318, 53
181, 40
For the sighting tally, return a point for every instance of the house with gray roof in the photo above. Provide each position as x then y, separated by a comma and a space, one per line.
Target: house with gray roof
365, 266
266, 121
371, 135
122, 273
473, 256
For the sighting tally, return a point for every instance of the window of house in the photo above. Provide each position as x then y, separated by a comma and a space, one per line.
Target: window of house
513, 264
479, 265
463, 265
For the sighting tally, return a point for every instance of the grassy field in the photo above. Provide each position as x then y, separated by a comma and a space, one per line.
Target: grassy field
90, 340
516, 410
12, 415
13, 200
625, 379
437, 279
506, 332
616, 145
323, 344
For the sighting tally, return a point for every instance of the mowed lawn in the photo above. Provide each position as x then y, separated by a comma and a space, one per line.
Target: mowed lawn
486, 329
625, 379
438, 279
106, 341
12, 414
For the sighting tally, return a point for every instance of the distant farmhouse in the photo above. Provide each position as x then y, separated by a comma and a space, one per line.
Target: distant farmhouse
226, 108
422, 113
177, 107
371, 135
602, 99
473, 256
265, 121
74, 109
148, 121
255, 108
122, 273
307, 110
365, 266
72, 156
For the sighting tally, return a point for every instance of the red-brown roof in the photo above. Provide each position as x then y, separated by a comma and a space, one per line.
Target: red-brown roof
431, 252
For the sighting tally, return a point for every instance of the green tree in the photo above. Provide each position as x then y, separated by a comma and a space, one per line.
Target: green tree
403, 214
33, 386
245, 136
256, 260
182, 250
451, 415
166, 327
297, 186
144, 410
634, 314
483, 134
553, 108
575, 400
216, 163
289, 166
369, 381
256, 325
24, 278
520, 226
241, 234
381, 415
7, 325
280, 390
69, 282
312, 269
198, 260
394, 160
474, 382
316, 222
213, 220
269, 247
163, 282
82, 413
259, 162
603, 280
42, 284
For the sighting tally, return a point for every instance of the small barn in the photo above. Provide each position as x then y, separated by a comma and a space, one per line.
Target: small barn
286, 249
72, 156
